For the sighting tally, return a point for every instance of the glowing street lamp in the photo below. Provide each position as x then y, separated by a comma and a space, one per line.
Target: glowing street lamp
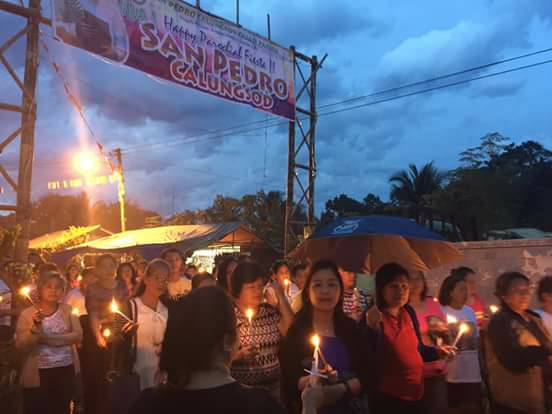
85, 163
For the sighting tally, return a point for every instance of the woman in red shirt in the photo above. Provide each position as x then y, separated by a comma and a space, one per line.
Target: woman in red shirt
400, 349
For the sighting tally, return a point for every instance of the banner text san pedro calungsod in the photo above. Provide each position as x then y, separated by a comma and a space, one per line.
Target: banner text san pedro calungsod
179, 43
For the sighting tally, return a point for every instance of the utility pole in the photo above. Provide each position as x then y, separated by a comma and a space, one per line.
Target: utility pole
120, 186
302, 149
28, 118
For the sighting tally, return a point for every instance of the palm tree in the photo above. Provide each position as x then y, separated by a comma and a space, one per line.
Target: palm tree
413, 188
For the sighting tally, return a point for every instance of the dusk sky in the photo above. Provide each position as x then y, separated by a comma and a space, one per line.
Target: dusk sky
371, 45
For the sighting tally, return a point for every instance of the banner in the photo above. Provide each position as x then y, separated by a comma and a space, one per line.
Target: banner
176, 42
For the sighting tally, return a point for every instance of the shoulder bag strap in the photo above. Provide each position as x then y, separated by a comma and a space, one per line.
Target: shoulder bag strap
134, 317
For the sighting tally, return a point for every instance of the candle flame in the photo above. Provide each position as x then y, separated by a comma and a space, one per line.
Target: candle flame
75, 311
315, 340
1, 298
493, 308
79, 278
25, 291
451, 319
286, 282
114, 306
106, 333
249, 313
463, 328
435, 300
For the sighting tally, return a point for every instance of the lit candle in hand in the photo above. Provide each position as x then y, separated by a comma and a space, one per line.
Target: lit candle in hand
493, 309
249, 314
115, 309
106, 333
286, 287
315, 340
25, 291
463, 328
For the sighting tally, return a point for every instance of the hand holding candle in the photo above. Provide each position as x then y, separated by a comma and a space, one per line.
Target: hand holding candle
287, 287
315, 340
25, 291
114, 307
463, 328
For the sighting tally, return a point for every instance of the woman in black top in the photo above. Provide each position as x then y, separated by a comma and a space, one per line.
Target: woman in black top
200, 340
344, 344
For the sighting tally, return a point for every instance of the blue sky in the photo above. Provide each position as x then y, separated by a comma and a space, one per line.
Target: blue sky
370, 45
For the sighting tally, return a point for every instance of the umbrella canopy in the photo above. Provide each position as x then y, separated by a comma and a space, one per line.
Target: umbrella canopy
363, 244
151, 241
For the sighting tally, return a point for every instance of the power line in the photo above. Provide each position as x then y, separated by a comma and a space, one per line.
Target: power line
437, 78
275, 123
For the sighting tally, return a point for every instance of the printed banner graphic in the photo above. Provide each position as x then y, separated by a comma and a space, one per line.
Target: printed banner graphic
176, 42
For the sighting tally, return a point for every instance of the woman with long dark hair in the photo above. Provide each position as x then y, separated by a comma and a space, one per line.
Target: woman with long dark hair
151, 318
46, 335
518, 351
465, 394
400, 349
224, 273
126, 274
201, 337
98, 346
433, 328
344, 345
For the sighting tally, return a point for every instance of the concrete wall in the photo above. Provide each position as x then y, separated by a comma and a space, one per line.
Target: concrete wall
491, 258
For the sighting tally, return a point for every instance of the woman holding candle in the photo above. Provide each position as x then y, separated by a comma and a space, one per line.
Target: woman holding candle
99, 349
46, 334
282, 275
464, 371
433, 328
518, 351
344, 351
72, 272
256, 363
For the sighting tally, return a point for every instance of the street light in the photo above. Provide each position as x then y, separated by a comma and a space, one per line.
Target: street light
85, 163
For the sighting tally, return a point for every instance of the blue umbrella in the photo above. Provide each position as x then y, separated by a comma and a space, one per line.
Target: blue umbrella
363, 244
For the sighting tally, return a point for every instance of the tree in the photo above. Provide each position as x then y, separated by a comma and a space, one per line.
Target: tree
413, 188
492, 144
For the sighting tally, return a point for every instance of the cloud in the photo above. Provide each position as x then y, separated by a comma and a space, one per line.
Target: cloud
498, 88
439, 52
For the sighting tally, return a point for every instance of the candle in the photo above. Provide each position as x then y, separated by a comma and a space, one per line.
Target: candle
286, 286
75, 311
115, 309
315, 340
25, 291
106, 333
435, 300
493, 309
462, 329
451, 320
249, 314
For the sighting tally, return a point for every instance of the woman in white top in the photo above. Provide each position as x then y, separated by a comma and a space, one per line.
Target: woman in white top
464, 372
151, 317
544, 293
46, 334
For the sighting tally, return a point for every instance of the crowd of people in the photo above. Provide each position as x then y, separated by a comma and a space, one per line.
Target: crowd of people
160, 337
